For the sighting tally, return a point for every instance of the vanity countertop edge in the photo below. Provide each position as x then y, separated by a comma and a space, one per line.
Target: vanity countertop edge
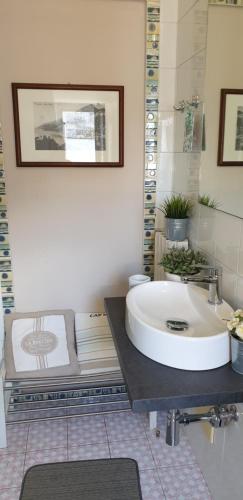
156, 387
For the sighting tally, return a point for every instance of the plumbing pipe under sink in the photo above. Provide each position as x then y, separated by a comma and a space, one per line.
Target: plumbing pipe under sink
217, 416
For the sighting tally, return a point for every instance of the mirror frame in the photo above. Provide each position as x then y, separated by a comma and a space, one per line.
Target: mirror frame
222, 129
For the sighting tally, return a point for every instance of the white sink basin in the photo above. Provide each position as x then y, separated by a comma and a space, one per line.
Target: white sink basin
202, 346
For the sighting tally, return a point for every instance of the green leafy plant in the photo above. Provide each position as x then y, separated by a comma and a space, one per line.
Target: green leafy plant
205, 199
181, 261
176, 207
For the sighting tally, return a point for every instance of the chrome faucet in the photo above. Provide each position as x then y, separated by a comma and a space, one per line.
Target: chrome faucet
213, 279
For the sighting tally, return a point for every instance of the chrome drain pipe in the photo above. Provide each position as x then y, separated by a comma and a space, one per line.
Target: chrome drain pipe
217, 416
173, 427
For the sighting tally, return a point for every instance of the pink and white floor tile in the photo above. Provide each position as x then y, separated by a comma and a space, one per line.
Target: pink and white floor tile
166, 473
44, 457
138, 450
47, 434
125, 426
184, 483
167, 456
92, 430
16, 439
10, 494
11, 470
151, 485
89, 452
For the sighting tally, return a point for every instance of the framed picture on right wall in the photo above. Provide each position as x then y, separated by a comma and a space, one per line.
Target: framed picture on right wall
230, 145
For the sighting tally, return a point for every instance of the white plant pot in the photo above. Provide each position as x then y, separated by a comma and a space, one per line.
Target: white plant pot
172, 277
176, 277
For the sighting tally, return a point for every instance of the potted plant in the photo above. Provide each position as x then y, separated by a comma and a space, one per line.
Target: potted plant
235, 327
176, 210
179, 262
205, 200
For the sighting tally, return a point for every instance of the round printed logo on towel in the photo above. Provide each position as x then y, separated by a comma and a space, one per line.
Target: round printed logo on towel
39, 343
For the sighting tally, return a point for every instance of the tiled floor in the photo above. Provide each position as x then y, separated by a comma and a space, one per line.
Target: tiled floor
166, 473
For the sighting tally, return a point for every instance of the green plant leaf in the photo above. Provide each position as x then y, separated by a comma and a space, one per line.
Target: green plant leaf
177, 207
207, 201
181, 261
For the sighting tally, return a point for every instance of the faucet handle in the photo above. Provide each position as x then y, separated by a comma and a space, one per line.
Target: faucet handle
214, 270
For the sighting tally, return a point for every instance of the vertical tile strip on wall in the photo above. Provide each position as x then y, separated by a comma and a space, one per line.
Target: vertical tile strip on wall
151, 130
5, 256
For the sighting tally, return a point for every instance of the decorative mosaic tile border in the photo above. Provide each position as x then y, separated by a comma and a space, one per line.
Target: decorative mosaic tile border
5, 254
98, 392
151, 131
228, 3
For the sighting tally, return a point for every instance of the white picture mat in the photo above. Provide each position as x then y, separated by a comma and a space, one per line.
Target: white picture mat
26, 100
22, 327
233, 101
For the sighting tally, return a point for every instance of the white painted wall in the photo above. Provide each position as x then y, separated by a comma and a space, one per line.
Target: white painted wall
75, 234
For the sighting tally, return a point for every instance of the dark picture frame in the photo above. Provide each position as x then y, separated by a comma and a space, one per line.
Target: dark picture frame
59, 125
230, 144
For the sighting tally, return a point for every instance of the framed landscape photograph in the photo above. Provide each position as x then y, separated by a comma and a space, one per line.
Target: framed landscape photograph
68, 125
230, 146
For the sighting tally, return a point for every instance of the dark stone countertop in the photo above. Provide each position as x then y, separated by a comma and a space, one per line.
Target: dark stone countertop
152, 386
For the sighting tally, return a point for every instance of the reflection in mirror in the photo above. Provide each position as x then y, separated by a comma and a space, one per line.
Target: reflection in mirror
223, 184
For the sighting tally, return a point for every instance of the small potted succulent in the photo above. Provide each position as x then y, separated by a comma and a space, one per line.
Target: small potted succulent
235, 327
176, 210
179, 262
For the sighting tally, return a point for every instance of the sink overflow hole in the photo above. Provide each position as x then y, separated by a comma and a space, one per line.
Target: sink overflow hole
177, 325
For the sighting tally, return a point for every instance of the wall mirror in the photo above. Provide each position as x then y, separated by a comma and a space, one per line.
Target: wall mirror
222, 180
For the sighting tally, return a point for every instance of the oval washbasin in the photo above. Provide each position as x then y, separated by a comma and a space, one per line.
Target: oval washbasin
154, 308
